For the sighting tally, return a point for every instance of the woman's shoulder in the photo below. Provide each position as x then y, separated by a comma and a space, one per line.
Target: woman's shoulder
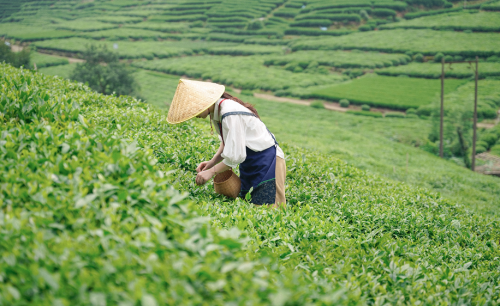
232, 106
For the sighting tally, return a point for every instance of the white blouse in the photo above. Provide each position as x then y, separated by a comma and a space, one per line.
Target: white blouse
241, 131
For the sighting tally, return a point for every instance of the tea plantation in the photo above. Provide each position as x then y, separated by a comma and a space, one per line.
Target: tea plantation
97, 194
91, 215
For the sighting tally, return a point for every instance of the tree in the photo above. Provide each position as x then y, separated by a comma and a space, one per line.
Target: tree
15, 59
104, 73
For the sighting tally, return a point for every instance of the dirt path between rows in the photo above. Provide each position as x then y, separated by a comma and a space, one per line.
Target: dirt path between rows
328, 105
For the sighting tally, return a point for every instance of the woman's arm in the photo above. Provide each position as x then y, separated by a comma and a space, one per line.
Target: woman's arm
215, 160
217, 157
206, 175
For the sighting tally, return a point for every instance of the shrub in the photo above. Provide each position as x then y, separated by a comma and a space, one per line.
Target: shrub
489, 138
383, 12
106, 79
255, 25
344, 103
495, 150
480, 149
363, 113
448, 5
312, 23
419, 58
458, 58
448, 58
411, 111
438, 57
298, 69
365, 27
197, 24
482, 144
317, 104
365, 107
15, 59
413, 116
394, 115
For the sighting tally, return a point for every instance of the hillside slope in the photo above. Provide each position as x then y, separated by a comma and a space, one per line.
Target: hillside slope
90, 215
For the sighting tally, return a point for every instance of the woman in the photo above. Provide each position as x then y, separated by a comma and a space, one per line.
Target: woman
245, 140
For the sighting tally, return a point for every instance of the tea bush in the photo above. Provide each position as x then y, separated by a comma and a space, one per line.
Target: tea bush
427, 42
365, 113
317, 104
433, 71
365, 107
344, 103
394, 115
481, 22
255, 76
378, 91
91, 215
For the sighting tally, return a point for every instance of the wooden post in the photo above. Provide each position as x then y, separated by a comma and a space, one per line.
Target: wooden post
442, 110
473, 165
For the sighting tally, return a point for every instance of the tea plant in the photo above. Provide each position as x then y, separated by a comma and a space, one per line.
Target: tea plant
395, 93
89, 201
427, 42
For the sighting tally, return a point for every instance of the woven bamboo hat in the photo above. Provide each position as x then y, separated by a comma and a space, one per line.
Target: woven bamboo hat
192, 98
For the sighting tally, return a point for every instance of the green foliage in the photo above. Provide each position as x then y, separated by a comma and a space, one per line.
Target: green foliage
427, 42
383, 12
16, 59
438, 57
365, 107
146, 49
365, 27
43, 60
419, 58
365, 113
311, 23
340, 59
103, 72
433, 71
255, 76
460, 21
317, 104
255, 25
394, 115
101, 197
379, 91
315, 32
495, 150
344, 103
247, 92
427, 3
411, 111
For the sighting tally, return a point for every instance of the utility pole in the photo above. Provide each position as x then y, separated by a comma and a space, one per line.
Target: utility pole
442, 110
473, 165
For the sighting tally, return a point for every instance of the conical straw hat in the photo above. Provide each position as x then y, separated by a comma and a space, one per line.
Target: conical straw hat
192, 98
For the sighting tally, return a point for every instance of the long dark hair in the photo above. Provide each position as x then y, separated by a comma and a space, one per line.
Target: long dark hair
225, 95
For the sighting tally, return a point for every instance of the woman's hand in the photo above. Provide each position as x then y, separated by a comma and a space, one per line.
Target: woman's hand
204, 176
204, 166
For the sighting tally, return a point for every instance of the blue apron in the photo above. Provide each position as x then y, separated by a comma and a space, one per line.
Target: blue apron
258, 171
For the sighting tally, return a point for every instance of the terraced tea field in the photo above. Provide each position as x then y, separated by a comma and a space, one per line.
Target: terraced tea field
98, 204
427, 42
433, 70
392, 92
482, 22
221, 70
246, 255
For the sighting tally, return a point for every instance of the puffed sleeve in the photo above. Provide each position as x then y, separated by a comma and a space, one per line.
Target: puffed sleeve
234, 141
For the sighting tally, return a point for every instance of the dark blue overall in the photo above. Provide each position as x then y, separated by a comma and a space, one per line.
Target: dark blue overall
258, 169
